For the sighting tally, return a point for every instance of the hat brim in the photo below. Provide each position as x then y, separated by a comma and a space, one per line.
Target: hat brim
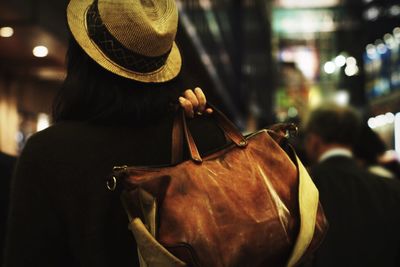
76, 16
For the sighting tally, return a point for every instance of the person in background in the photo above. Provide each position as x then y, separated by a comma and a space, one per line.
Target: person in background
369, 149
362, 209
115, 107
392, 164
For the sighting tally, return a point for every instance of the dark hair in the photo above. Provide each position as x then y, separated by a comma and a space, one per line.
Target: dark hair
334, 124
369, 146
91, 93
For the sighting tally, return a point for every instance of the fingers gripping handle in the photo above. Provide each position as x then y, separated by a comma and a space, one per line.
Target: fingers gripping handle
180, 126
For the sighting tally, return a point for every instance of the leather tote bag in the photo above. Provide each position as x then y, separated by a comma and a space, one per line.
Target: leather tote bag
250, 204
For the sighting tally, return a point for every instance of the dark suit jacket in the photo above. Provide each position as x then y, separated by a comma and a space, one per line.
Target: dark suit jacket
364, 216
61, 212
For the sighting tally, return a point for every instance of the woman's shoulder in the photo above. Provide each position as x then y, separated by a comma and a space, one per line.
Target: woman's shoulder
57, 132
58, 138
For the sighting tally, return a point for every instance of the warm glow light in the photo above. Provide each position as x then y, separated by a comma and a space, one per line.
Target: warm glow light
314, 97
43, 121
40, 51
389, 40
380, 120
340, 61
306, 60
351, 70
396, 32
287, 56
383, 119
389, 117
372, 123
372, 13
205, 4
329, 67
351, 61
397, 133
6, 32
342, 98
394, 10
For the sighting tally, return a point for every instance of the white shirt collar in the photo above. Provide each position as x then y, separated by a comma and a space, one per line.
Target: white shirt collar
335, 152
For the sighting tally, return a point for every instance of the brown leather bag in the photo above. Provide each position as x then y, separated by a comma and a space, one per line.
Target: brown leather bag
249, 204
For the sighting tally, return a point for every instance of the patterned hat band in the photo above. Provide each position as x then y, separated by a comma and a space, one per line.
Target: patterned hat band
116, 51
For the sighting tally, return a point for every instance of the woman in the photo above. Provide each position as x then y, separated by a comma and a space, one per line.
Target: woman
115, 107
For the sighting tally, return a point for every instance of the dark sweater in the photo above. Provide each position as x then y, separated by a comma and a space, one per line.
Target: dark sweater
61, 212
363, 211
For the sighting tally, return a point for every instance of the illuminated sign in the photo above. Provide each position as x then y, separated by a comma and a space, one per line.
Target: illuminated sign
303, 20
306, 3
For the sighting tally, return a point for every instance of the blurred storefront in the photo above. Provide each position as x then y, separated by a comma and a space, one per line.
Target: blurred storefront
32, 51
339, 51
316, 59
381, 57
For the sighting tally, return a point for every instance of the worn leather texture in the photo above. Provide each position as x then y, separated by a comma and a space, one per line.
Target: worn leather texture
237, 207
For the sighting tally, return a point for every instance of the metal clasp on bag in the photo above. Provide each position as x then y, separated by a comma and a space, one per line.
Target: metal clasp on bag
286, 130
112, 182
291, 130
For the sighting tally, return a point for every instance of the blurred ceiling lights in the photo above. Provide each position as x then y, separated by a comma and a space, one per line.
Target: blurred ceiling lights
329, 67
372, 13
50, 73
342, 97
40, 51
375, 12
6, 32
390, 41
394, 10
351, 70
340, 61
382, 120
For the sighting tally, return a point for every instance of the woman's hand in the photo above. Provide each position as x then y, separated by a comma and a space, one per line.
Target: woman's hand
194, 103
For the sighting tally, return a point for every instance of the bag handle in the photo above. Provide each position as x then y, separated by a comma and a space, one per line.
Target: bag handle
180, 127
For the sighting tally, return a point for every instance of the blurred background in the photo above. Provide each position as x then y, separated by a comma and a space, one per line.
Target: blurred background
261, 61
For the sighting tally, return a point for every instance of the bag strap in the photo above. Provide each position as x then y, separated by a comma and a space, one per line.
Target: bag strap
181, 129
228, 127
177, 139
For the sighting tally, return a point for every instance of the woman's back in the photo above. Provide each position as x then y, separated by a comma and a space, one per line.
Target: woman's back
60, 191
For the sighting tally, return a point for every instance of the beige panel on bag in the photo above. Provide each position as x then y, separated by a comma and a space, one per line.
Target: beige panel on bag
308, 205
153, 254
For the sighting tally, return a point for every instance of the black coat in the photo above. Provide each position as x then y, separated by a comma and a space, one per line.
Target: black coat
6, 167
61, 212
364, 215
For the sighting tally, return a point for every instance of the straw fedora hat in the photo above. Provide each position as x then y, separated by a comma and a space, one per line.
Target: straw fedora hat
131, 38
